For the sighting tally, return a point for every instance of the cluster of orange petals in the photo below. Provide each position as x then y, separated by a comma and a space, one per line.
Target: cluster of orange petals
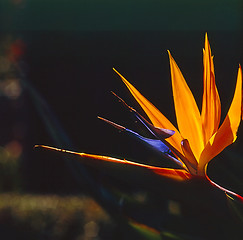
199, 138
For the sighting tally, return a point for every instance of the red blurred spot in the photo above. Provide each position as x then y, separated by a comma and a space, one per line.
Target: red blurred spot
16, 50
14, 148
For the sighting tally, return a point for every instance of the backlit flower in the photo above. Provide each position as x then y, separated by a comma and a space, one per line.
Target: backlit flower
198, 138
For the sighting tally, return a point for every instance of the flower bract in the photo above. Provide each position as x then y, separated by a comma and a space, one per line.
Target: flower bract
198, 136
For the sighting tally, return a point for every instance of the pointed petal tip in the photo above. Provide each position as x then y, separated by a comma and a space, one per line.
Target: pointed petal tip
115, 71
37, 146
119, 127
47, 147
44, 146
207, 42
206, 39
122, 78
171, 59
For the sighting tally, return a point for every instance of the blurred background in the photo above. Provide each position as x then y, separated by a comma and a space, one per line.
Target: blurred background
56, 77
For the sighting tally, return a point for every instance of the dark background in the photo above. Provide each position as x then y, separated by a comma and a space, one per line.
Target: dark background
70, 48
56, 77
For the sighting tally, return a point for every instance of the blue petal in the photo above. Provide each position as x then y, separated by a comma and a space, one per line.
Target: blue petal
156, 145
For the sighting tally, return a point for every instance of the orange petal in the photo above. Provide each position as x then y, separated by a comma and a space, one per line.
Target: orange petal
211, 107
156, 117
187, 113
228, 130
190, 159
176, 174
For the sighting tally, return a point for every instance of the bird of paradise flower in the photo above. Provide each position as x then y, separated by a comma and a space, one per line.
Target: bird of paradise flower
198, 139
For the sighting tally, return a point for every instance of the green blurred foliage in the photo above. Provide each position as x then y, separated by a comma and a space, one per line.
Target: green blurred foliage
10, 178
53, 217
